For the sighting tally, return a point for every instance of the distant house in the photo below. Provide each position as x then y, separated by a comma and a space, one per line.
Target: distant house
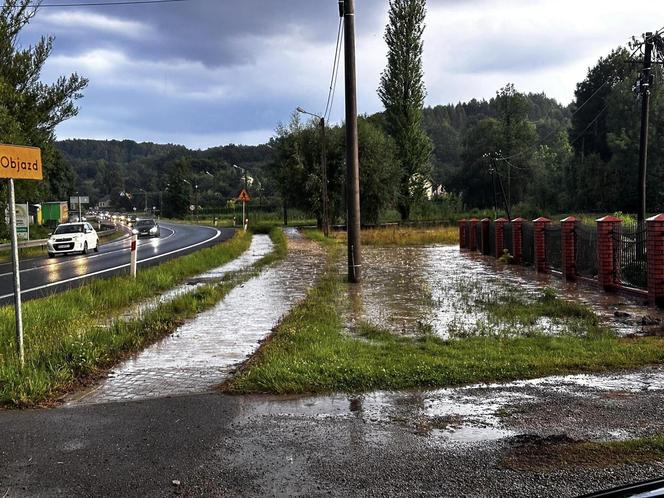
105, 202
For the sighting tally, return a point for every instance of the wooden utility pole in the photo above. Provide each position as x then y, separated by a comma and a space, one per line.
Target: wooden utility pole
352, 157
646, 79
323, 167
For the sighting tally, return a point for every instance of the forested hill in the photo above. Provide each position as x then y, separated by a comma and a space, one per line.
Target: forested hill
108, 167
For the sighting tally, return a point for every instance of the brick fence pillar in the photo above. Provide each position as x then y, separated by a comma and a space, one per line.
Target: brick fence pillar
473, 235
608, 274
463, 244
655, 254
568, 247
540, 251
517, 240
500, 236
485, 248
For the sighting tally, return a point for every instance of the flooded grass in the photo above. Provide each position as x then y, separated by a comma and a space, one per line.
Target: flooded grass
312, 351
554, 453
406, 236
64, 336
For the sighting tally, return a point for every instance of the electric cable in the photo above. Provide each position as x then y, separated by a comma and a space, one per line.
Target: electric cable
334, 70
105, 4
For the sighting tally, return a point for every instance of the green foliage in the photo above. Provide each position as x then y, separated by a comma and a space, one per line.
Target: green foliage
402, 93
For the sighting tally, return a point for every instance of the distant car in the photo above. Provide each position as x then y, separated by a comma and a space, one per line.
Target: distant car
72, 237
147, 228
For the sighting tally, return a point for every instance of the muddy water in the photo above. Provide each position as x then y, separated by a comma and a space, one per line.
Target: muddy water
202, 353
598, 407
410, 290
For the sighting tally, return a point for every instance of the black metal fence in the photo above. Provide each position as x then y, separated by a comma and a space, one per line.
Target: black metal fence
528, 244
586, 251
552, 247
507, 238
629, 245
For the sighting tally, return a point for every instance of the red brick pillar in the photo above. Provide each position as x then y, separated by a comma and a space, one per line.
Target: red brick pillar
462, 234
655, 251
517, 239
568, 247
540, 253
500, 236
485, 248
473, 235
608, 274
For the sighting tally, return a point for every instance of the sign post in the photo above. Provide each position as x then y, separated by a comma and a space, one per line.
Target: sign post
134, 256
244, 197
22, 163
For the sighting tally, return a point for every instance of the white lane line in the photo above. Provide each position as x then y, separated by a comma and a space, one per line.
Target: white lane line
100, 272
89, 256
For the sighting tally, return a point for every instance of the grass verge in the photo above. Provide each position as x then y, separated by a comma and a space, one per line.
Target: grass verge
406, 236
66, 337
311, 352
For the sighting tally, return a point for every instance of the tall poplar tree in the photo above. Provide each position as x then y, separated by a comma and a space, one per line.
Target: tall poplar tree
402, 93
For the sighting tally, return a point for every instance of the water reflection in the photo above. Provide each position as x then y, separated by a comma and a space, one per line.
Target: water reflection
415, 290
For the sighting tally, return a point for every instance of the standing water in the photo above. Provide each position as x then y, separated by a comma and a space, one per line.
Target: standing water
202, 353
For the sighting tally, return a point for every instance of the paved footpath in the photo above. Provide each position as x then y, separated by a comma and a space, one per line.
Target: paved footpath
202, 352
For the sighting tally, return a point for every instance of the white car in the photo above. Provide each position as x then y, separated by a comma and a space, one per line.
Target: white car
72, 237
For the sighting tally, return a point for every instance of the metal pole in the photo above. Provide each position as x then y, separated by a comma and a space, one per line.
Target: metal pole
323, 166
80, 218
645, 111
352, 158
244, 219
17, 276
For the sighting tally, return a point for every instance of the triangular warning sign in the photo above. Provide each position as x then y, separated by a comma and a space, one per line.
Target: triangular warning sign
244, 196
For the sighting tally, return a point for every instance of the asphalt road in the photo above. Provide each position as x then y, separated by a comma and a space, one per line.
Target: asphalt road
41, 276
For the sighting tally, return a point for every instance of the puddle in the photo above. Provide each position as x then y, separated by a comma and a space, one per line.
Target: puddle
412, 290
261, 245
482, 412
202, 353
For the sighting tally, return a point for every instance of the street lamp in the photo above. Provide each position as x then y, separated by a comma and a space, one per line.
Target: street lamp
323, 168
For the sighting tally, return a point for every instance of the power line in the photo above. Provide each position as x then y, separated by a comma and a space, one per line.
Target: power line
105, 4
552, 132
335, 71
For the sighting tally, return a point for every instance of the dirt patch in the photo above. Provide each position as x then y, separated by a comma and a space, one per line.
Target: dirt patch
555, 452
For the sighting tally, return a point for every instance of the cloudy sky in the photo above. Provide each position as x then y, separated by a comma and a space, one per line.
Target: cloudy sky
210, 72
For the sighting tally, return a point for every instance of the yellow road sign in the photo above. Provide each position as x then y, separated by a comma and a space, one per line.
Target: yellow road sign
244, 196
20, 162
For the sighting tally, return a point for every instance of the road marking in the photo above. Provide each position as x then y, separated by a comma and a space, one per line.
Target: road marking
89, 256
126, 265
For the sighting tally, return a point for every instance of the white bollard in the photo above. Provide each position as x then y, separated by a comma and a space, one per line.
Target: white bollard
134, 256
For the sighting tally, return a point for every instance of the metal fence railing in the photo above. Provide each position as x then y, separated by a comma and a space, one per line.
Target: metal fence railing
528, 244
507, 238
492, 239
586, 251
629, 245
552, 247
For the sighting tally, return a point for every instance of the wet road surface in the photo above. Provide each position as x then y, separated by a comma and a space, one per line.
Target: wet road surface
450, 442
201, 353
41, 276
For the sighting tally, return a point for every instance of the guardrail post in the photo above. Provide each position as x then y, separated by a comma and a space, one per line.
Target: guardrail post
485, 248
517, 240
463, 244
655, 256
134, 256
568, 243
608, 273
500, 236
540, 250
473, 234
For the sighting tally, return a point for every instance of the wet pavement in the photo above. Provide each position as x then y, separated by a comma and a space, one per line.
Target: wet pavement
448, 442
202, 353
438, 288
